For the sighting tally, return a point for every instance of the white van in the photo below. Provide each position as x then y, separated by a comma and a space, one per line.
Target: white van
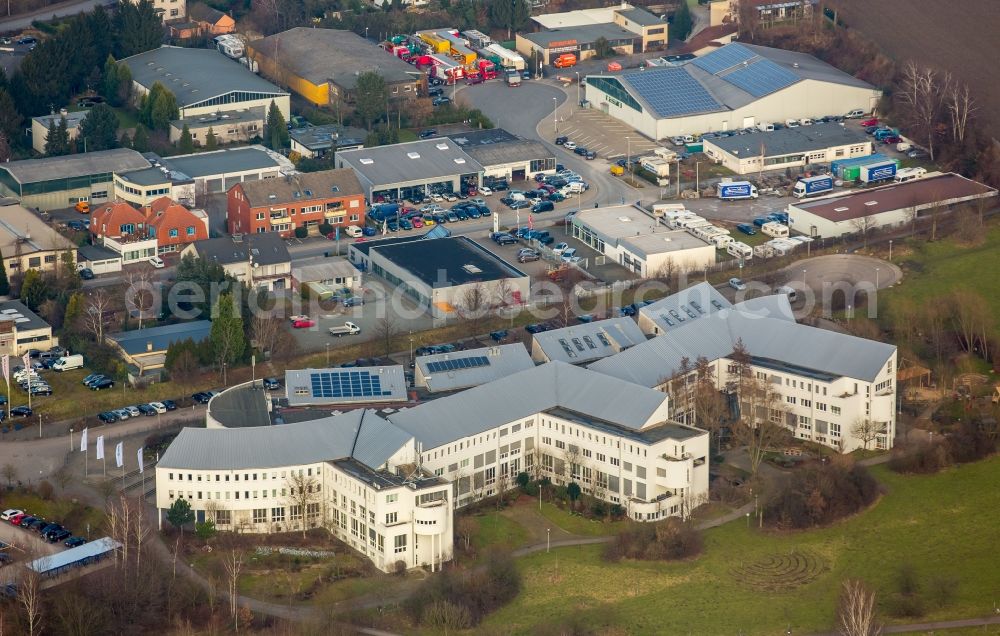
353, 231
909, 174
787, 291
68, 363
740, 250
763, 127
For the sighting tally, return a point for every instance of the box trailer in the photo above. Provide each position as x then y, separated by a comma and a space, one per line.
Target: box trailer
853, 173
812, 186
736, 190
508, 58
477, 39
838, 166
878, 172
655, 165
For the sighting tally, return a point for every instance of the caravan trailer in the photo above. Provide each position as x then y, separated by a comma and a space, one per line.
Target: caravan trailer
740, 250
230, 45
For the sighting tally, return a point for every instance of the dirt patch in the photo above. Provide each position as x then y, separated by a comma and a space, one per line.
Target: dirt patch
929, 32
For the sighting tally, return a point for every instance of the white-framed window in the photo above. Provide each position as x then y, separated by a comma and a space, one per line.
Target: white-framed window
399, 543
391, 518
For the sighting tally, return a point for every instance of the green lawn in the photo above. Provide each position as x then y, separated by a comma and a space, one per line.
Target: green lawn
944, 525
406, 135
575, 524
933, 270
494, 530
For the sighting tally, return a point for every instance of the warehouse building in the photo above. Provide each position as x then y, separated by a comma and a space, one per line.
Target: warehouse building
51, 183
204, 81
885, 207
323, 65
22, 329
228, 127
319, 141
441, 372
640, 243
40, 127
788, 148
412, 170
28, 242
586, 342
506, 156
734, 87
627, 29
450, 275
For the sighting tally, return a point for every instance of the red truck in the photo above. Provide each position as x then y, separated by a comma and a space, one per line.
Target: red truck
486, 69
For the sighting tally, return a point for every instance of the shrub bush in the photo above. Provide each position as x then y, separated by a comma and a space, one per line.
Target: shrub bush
325, 228
473, 593
667, 540
821, 494
969, 443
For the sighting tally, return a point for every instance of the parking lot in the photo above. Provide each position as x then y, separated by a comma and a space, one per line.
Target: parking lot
603, 134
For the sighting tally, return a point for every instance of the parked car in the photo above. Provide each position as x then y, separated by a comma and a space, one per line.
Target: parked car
156, 262
122, 414
430, 132
93, 377
569, 145
303, 324
147, 409
535, 328
271, 383
58, 535
100, 385
40, 389
74, 542
737, 284
170, 405
543, 206
108, 417
441, 100
21, 411
133, 411
354, 301
498, 336
505, 239
528, 257
561, 140
86, 273
10, 512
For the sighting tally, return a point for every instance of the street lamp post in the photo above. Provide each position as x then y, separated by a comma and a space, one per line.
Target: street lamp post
555, 123
890, 250
548, 539
697, 176
876, 278
328, 355
803, 278
578, 101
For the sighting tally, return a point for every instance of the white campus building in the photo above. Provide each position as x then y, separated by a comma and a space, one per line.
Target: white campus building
387, 482
823, 382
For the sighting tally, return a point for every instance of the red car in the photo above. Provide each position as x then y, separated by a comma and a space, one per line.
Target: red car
891, 139
870, 122
418, 222
16, 519
303, 324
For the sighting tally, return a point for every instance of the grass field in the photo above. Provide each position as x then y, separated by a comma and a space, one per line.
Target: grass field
943, 525
575, 524
495, 530
933, 270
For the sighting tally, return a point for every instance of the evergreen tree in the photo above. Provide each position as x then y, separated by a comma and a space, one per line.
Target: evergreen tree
275, 129
109, 86
211, 143
226, 337
4, 148
681, 25
34, 289
125, 141
139, 28
4, 282
124, 84
57, 139
186, 143
179, 514
140, 139
371, 97
74, 310
164, 110
100, 128
10, 118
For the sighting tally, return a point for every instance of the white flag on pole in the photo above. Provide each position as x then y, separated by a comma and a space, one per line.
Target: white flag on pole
100, 447
118, 455
6, 367
83, 441
26, 359
138, 456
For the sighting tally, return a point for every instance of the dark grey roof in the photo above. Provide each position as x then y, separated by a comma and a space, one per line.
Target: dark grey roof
268, 248
145, 177
641, 16
682, 308
410, 162
96, 253
204, 13
156, 339
321, 55
509, 152
328, 136
24, 318
587, 342
486, 136
556, 384
503, 361
73, 119
78, 165
299, 385
204, 164
302, 188
241, 405
196, 75
221, 119
443, 262
366, 246
361, 434
789, 141
583, 34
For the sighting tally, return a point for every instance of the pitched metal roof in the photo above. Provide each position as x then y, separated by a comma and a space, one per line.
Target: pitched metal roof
776, 338
790, 140
160, 338
89, 550
78, 165
509, 152
413, 161
267, 248
502, 360
527, 393
196, 75
585, 342
361, 434
219, 162
686, 306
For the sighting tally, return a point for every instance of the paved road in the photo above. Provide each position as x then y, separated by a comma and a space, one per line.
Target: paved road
23, 21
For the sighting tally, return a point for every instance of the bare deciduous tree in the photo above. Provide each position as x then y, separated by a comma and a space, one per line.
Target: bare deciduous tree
139, 291
866, 430
99, 304
864, 225
232, 563
476, 307
972, 319
303, 497
710, 405
920, 91
857, 613
29, 596
386, 332
265, 330
761, 423
10, 474
960, 106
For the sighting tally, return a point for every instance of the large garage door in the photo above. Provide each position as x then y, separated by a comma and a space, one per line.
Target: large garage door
518, 175
748, 122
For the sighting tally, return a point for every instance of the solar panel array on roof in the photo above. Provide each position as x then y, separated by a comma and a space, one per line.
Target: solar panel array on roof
346, 384
455, 364
761, 78
724, 58
672, 91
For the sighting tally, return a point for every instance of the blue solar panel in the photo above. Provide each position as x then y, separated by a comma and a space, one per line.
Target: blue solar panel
672, 91
455, 364
726, 57
346, 384
761, 78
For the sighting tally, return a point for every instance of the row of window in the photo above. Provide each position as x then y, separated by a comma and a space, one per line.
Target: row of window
301, 472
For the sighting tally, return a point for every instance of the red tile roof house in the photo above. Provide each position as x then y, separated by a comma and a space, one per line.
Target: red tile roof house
302, 200
164, 226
